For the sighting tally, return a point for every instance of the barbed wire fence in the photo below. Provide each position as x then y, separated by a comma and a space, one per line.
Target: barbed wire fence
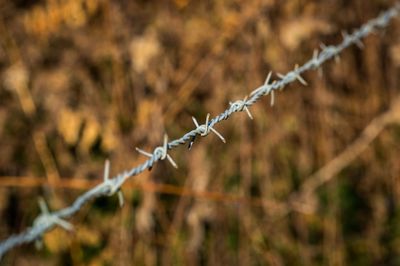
47, 220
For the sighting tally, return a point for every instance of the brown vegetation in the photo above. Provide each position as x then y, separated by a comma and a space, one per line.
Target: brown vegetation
312, 181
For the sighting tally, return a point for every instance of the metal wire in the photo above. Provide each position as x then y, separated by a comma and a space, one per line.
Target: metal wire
48, 220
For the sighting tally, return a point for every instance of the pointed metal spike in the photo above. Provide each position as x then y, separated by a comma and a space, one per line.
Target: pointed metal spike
298, 76
165, 147
206, 126
43, 206
248, 112
268, 78
106, 170
345, 35
266, 83
315, 58
172, 161
191, 142
195, 122
64, 224
145, 153
281, 76
165, 142
301, 80
257, 90
359, 43
120, 198
218, 134
272, 98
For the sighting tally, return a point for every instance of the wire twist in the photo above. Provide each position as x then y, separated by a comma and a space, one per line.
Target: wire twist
205, 129
48, 220
160, 153
241, 105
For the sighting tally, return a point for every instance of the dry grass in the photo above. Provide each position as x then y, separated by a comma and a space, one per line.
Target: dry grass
82, 81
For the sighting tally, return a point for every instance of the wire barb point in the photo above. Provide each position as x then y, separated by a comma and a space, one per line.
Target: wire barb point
112, 186
191, 143
120, 198
106, 170
268, 78
283, 79
272, 98
315, 58
266, 86
298, 76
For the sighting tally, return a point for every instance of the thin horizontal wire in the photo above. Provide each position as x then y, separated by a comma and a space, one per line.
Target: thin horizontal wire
48, 220
146, 186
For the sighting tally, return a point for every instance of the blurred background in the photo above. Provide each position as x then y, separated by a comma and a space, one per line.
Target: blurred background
313, 180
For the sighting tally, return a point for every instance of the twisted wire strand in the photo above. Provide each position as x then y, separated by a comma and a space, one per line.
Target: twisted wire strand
48, 220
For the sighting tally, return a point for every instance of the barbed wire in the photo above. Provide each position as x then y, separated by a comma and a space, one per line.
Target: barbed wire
48, 220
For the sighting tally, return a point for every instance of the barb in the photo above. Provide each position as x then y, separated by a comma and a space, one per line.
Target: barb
242, 105
204, 130
160, 153
113, 186
49, 220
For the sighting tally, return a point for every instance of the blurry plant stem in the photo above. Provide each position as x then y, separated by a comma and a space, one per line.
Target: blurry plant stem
39, 138
204, 64
46, 157
305, 201
19, 83
84, 184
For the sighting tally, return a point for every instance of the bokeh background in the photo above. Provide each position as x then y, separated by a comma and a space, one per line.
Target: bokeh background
301, 184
